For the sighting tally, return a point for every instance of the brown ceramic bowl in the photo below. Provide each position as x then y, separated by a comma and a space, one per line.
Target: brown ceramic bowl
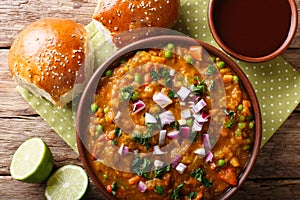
261, 58
82, 120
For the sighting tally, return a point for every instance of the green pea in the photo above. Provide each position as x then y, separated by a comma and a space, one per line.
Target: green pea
108, 72
188, 59
105, 110
235, 79
168, 54
138, 78
213, 59
240, 107
242, 118
220, 64
189, 122
123, 61
99, 128
170, 46
248, 140
221, 162
241, 125
94, 107
251, 125
104, 176
135, 96
238, 133
246, 147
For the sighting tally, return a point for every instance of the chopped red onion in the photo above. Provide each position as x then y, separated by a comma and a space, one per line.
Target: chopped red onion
120, 151
125, 150
138, 106
157, 150
150, 119
200, 152
176, 161
118, 115
205, 115
182, 103
142, 186
181, 168
158, 164
197, 126
172, 72
206, 141
162, 136
209, 157
161, 99
183, 93
185, 132
173, 134
199, 118
199, 106
186, 113
167, 117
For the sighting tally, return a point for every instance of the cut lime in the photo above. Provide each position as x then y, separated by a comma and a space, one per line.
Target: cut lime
68, 182
32, 162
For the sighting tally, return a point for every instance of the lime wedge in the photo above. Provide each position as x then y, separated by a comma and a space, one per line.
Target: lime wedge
32, 162
68, 182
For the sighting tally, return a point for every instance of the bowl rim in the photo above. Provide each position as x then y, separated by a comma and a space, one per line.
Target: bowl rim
93, 83
274, 54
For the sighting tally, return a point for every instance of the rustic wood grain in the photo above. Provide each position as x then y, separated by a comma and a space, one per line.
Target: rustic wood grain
16, 14
276, 174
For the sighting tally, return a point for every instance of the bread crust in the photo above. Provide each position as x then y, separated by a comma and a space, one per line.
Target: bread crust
49, 54
122, 15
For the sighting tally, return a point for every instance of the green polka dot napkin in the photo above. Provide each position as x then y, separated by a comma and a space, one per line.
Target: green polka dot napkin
276, 83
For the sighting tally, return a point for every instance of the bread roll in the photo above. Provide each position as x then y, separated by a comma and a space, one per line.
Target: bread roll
49, 56
113, 17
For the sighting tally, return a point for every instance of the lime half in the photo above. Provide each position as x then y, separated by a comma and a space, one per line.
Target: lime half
68, 182
32, 162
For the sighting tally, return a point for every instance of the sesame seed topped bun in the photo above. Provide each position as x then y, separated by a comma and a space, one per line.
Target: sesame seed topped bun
49, 56
113, 17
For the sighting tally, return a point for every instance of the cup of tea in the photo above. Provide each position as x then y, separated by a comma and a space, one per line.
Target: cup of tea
253, 30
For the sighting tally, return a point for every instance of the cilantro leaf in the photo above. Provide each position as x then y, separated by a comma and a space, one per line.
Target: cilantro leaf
175, 195
140, 165
200, 176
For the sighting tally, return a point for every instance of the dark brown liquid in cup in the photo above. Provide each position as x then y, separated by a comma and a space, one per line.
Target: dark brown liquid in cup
253, 28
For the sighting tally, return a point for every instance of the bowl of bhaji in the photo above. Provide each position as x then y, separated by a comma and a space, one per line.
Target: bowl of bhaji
168, 117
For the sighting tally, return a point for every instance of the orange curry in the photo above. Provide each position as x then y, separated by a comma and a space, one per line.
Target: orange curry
157, 132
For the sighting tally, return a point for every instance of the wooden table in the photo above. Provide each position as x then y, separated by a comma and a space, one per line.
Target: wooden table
276, 174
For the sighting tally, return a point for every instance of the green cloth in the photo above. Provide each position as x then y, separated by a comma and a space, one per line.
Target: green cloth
276, 83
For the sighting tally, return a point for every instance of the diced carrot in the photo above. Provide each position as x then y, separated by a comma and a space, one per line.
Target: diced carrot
109, 188
134, 180
228, 175
111, 135
199, 196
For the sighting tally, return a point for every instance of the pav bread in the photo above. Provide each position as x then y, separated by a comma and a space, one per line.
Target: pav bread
50, 56
113, 17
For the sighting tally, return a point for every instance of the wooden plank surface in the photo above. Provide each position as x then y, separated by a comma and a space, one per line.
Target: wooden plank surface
276, 174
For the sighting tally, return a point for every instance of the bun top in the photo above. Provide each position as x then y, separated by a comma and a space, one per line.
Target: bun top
49, 53
123, 15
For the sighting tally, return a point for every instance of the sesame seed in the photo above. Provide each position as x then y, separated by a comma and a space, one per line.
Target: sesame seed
73, 35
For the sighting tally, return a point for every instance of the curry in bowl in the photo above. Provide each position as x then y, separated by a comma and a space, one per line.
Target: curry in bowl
172, 122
